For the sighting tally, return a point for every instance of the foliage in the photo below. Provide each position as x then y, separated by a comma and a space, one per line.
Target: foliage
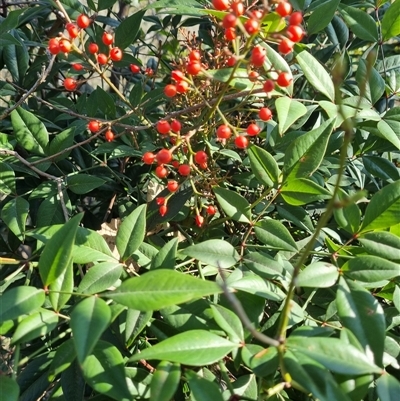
266, 268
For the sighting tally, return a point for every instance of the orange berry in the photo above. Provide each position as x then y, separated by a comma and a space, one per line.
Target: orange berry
230, 34
93, 48
177, 75
83, 21
296, 18
252, 26
241, 142
200, 157
199, 220
170, 90
65, 45
285, 46
284, 8
211, 210
229, 21
70, 84
107, 38
224, 132
102, 59
182, 87
253, 130
193, 68
295, 33
77, 66
269, 85
284, 79
94, 126
148, 158
176, 126
172, 186
220, 5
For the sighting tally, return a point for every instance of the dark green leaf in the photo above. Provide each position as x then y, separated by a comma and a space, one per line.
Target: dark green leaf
128, 29
391, 22
301, 191
63, 359
369, 78
105, 103
321, 16
318, 275
381, 243
62, 141
380, 167
165, 381
9, 387
202, 389
233, 204
11, 21
14, 213
7, 179
83, 183
361, 23
274, 234
263, 166
105, 4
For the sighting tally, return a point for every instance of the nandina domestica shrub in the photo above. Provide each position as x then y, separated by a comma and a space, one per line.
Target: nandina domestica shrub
200, 200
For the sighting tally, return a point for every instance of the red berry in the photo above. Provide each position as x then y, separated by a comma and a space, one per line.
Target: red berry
241, 142
194, 55
252, 26
148, 158
224, 132
54, 46
102, 59
220, 5
182, 87
172, 186
265, 114
164, 156
170, 90
284, 79
200, 157
177, 75
77, 66
296, 18
211, 210
83, 21
116, 54
135, 69
94, 126
253, 130
203, 166
107, 38
253, 76
199, 220
175, 163
193, 68
284, 8
285, 46
237, 8
72, 30
229, 21
257, 14
184, 169
269, 85
160, 200
231, 61
65, 45
176, 126
109, 135
161, 171
258, 55
70, 84
163, 127
93, 48
230, 34
295, 33
163, 210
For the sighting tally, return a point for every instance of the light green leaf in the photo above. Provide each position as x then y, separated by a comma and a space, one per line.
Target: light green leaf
321, 16
202, 389
9, 388
301, 191
62, 288
381, 243
263, 166
88, 321
274, 234
233, 204
288, 111
131, 232
318, 275
14, 213
100, 277
391, 22
388, 388
193, 348
215, 252
263, 265
361, 23
83, 183
385, 131
7, 179
316, 74
161, 288
166, 257
135, 321
229, 322
165, 381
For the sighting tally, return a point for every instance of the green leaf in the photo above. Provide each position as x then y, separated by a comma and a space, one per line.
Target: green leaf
380, 167
391, 21
100, 277
20, 301
35, 325
381, 243
316, 74
388, 388
215, 252
263, 166
369, 78
202, 389
16, 58
63, 358
104, 372
62, 288
7, 179
383, 210
305, 154
166, 257
370, 269
333, 353
161, 288
385, 131
240, 81
318, 275
348, 216
9, 387
105, 4
321, 16
263, 265
359, 311
361, 23
57, 253
301, 191
83, 183
229, 322
193, 348
233, 204
105, 103
288, 111
62, 141
135, 321
131, 232
88, 321
165, 381
274, 234
11, 21
263, 361
128, 29
14, 213
29, 131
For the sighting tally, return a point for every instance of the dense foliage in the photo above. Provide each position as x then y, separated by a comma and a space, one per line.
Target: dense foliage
200, 200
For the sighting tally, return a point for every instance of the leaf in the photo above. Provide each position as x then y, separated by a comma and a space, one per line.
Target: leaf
14, 213
362, 24
274, 234
262, 361
369, 78
333, 353
288, 111
301, 191
359, 311
128, 29
35, 325
263, 166
7, 179
383, 210
240, 81
233, 204
88, 321
62, 141
316, 74
9, 387
380, 167
11, 21
321, 16
19, 301
381, 243
83, 183
29, 131
229, 322
263, 265
105, 4
193, 348
391, 22
62, 288
161, 288
131, 232
318, 275
370, 269
305, 154
385, 131
215, 252
166, 257
63, 358
100, 277
202, 389
57, 253
104, 372
136, 321
388, 388
165, 381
